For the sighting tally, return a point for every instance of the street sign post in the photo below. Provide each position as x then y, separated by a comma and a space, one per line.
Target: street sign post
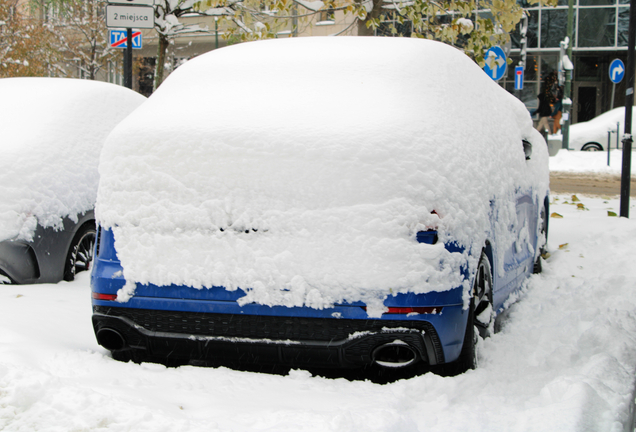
119, 38
519, 78
133, 2
626, 170
129, 13
616, 74
617, 71
128, 16
496, 64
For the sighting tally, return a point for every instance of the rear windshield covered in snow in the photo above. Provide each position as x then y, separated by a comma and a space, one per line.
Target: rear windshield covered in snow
300, 170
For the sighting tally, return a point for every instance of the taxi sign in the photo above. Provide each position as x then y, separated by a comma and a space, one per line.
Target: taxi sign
119, 38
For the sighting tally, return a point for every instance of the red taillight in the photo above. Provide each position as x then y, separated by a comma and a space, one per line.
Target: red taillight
107, 297
408, 310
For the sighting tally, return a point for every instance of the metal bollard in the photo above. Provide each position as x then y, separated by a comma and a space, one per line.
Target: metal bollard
609, 145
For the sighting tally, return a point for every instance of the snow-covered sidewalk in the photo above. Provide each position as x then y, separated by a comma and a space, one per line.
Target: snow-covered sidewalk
565, 360
590, 162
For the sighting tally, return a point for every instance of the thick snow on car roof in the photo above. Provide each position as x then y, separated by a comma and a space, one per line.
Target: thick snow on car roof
300, 170
53, 130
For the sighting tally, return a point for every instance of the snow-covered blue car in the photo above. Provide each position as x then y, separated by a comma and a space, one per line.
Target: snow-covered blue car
318, 202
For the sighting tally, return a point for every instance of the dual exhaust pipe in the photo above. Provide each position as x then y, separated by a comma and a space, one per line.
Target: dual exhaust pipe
396, 354
110, 339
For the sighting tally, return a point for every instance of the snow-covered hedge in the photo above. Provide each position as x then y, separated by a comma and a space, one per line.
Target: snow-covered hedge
52, 131
300, 170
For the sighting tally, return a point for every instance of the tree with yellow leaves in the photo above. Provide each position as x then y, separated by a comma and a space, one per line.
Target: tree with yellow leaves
26, 47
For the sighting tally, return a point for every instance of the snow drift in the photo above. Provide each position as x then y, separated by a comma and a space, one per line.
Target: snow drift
301, 170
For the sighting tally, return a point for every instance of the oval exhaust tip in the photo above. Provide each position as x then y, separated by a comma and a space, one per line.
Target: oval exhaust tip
396, 354
110, 339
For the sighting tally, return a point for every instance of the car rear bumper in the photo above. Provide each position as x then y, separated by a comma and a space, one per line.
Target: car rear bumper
260, 339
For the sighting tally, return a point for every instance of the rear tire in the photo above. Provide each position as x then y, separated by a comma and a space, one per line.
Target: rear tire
80, 253
592, 146
542, 240
480, 317
5, 279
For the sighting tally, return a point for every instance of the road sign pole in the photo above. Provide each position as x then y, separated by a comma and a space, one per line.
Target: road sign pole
128, 59
629, 103
125, 16
567, 88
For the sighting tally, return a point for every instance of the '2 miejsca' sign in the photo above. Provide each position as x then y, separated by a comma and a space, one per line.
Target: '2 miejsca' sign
130, 16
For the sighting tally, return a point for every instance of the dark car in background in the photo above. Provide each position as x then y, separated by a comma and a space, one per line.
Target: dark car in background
53, 130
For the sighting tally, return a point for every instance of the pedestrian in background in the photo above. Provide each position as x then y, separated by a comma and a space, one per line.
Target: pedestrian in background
557, 110
544, 110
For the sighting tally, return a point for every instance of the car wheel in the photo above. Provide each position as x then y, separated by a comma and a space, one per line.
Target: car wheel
80, 254
5, 279
592, 146
480, 316
542, 240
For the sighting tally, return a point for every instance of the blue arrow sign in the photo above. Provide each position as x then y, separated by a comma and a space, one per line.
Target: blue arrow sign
496, 63
118, 39
616, 71
519, 78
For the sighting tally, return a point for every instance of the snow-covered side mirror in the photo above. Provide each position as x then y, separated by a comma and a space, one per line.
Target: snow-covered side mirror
527, 149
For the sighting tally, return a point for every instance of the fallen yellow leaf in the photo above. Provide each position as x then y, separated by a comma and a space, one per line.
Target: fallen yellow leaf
575, 199
556, 215
611, 213
564, 245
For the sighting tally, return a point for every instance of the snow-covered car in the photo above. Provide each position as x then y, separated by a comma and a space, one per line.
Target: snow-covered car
318, 202
592, 135
53, 130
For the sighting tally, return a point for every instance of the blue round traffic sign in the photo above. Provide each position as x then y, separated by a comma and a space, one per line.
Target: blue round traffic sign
616, 71
496, 63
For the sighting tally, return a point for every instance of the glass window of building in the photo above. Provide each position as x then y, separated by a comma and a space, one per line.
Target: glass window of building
554, 24
532, 34
623, 26
597, 27
596, 2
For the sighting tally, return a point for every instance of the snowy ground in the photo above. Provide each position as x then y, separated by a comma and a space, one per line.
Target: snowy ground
590, 162
565, 359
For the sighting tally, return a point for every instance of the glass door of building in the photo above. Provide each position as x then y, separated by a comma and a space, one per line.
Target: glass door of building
586, 101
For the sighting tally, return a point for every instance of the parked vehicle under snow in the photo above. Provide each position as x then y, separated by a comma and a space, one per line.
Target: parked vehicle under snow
595, 134
53, 130
317, 202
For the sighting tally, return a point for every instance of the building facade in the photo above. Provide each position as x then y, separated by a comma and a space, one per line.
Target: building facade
600, 33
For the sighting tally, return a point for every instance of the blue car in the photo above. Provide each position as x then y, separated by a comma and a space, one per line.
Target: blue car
385, 233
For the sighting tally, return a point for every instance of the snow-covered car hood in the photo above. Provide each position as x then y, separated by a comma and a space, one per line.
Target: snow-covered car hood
53, 130
300, 170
